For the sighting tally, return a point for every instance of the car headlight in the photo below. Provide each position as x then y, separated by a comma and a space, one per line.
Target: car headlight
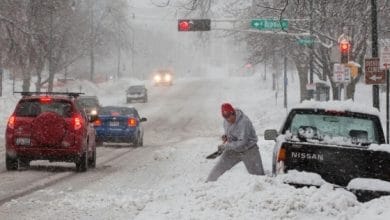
93, 112
167, 77
157, 78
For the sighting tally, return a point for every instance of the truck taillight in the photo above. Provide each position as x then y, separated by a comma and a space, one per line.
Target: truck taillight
77, 122
281, 154
11, 122
280, 160
132, 122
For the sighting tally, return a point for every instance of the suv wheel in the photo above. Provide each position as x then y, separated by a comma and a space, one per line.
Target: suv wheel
11, 163
25, 163
82, 163
92, 161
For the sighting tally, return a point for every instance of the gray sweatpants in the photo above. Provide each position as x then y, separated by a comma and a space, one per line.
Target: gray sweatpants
228, 159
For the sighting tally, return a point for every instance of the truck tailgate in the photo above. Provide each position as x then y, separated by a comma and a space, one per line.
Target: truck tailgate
336, 164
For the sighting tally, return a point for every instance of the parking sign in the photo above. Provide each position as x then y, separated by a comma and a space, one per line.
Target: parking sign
339, 73
385, 57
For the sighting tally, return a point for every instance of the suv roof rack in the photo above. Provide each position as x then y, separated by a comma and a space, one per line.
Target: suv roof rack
72, 94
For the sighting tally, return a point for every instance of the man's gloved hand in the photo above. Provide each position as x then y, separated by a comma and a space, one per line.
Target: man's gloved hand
224, 138
221, 147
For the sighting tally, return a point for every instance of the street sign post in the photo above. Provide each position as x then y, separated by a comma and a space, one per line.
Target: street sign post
269, 24
354, 69
374, 75
341, 76
385, 56
347, 75
339, 73
385, 63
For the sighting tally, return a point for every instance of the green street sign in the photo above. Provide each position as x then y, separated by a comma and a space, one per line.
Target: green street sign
269, 24
306, 41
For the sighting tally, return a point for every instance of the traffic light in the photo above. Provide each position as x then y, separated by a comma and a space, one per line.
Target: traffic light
344, 51
193, 24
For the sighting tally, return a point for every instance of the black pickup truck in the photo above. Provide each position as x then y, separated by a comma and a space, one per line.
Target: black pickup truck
339, 144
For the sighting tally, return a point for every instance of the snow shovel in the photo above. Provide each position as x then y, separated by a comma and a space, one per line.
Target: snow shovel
218, 152
214, 155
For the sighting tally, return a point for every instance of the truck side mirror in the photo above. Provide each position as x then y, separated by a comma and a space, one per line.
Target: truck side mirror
270, 134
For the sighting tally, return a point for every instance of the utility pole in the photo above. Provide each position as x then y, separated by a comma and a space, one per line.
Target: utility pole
1, 81
118, 74
51, 74
374, 39
285, 80
265, 70
311, 46
92, 40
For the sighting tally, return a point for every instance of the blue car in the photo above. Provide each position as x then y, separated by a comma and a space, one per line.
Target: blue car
119, 125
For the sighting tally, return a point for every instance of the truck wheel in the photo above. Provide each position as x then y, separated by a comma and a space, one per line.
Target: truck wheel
11, 163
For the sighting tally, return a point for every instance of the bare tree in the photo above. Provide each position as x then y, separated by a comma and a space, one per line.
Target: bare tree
39, 35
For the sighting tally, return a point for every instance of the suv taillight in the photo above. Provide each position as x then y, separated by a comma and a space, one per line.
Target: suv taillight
77, 121
45, 99
132, 122
11, 121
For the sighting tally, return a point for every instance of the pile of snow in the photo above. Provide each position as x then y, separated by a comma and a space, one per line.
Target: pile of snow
334, 105
164, 154
369, 184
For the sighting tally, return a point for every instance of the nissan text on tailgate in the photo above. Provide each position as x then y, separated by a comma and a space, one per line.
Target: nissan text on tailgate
335, 142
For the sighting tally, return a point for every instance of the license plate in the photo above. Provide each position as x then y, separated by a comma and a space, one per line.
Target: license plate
114, 123
22, 141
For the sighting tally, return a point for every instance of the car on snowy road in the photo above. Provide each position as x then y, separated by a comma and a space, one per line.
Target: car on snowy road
90, 104
118, 124
49, 126
163, 77
136, 93
335, 142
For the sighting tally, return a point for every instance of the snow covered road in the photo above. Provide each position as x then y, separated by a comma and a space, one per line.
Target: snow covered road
165, 178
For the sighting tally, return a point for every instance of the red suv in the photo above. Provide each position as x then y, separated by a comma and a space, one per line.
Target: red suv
50, 126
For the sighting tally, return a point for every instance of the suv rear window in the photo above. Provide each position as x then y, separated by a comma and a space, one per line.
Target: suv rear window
33, 107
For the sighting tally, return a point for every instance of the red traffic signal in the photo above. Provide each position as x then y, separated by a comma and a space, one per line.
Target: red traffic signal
193, 24
184, 25
344, 51
344, 46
